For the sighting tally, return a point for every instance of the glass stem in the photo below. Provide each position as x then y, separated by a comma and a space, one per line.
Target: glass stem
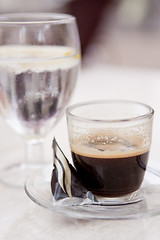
34, 152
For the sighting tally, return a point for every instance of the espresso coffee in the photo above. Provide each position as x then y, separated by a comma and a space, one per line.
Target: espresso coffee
112, 167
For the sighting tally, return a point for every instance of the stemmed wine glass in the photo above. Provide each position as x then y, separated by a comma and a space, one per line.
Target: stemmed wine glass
39, 63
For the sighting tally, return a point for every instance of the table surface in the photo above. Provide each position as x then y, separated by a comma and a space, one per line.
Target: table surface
20, 218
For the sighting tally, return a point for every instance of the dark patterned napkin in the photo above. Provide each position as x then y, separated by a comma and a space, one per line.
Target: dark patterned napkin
66, 186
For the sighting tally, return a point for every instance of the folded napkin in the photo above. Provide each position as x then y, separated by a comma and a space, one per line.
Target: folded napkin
66, 186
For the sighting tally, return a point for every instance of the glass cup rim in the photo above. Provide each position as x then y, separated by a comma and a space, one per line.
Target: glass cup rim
35, 18
148, 114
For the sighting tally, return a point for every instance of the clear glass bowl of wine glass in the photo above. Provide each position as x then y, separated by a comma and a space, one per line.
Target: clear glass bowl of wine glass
39, 65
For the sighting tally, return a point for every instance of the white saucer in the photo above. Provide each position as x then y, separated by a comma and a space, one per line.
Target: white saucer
38, 189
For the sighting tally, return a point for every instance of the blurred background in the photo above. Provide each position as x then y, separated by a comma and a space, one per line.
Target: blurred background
112, 32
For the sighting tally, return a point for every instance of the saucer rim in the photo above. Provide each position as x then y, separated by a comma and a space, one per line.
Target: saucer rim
82, 212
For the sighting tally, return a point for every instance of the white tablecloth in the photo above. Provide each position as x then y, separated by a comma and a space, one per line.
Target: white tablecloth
20, 218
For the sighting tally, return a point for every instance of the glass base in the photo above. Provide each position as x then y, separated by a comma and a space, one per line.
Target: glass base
133, 197
15, 175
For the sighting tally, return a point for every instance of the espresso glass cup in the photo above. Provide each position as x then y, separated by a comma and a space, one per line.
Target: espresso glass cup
110, 142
